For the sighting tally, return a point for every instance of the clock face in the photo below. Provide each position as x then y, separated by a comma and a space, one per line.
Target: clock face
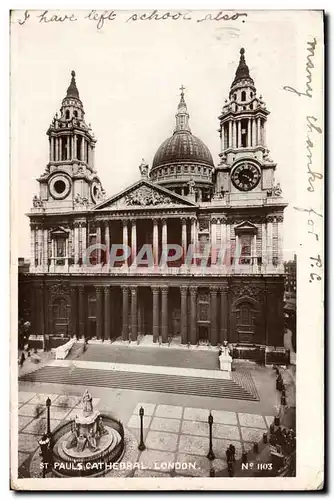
245, 176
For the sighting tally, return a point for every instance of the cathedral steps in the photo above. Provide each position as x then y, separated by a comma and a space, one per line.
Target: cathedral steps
192, 386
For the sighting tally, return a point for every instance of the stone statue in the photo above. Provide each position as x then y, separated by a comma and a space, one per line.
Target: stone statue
91, 440
73, 439
101, 428
277, 191
225, 358
87, 403
37, 202
191, 185
143, 168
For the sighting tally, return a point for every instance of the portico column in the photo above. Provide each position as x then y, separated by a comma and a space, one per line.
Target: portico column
32, 245
99, 312
133, 242
125, 239
193, 230
254, 140
41, 289
184, 238
193, 315
249, 133
213, 304
223, 248
107, 240
125, 315
239, 134
134, 323
258, 131
98, 242
270, 241
76, 243
83, 241
155, 242
107, 313
263, 244
184, 313
229, 144
155, 313
81, 311
280, 239
40, 246
164, 314
45, 249
223, 313
164, 235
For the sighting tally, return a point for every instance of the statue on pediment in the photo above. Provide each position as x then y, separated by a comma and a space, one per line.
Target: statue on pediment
143, 168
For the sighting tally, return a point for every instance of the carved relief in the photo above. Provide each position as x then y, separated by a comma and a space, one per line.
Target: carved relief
204, 224
247, 290
146, 196
60, 289
80, 201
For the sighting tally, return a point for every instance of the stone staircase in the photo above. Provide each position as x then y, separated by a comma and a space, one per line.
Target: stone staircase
236, 388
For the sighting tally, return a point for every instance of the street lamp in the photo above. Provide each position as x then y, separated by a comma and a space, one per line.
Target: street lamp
210, 455
141, 445
48, 428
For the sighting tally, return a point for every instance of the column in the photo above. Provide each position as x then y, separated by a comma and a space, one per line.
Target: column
228, 253
72, 147
234, 134
99, 312
249, 133
164, 234
214, 241
74, 313
59, 148
76, 243
107, 240
193, 231
254, 140
258, 131
83, 241
40, 246
82, 149
134, 324
223, 247
155, 313
164, 314
68, 156
81, 311
51, 149
270, 241
239, 134
41, 290
45, 249
229, 134
107, 332
92, 155
280, 239
155, 242
133, 243
125, 239
254, 253
264, 138
213, 307
32, 245
263, 244
184, 313
75, 147
98, 242
223, 313
125, 313
184, 237
193, 315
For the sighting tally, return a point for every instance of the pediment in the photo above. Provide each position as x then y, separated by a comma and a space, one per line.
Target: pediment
245, 227
143, 194
59, 231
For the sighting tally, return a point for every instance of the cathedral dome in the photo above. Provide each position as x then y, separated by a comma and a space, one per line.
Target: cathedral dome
181, 147
183, 163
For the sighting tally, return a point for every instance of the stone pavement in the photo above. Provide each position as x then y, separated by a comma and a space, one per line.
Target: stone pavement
173, 434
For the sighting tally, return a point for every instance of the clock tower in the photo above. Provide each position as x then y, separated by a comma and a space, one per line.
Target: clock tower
245, 174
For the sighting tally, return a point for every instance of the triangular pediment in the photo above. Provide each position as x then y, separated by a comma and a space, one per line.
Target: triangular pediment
144, 194
246, 227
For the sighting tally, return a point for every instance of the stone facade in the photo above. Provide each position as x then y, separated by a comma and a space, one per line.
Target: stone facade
184, 199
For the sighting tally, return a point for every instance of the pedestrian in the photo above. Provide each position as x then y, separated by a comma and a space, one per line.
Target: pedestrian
22, 359
232, 450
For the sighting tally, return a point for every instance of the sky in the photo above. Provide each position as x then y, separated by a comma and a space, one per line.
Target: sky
129, 72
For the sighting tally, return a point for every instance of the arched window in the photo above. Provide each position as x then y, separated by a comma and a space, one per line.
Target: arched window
67, 114
243, 95
75, 113
251, 94
235, 96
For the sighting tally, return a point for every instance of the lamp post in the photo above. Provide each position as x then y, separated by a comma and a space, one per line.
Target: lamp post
44, 444
210, 455
48, 428
141, 445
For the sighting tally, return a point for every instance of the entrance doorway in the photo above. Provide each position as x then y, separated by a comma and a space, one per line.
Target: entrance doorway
61, 314
245, 323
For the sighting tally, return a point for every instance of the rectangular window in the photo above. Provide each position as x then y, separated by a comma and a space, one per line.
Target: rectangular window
245, 248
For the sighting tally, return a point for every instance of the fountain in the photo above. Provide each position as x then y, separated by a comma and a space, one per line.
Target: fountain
88, 444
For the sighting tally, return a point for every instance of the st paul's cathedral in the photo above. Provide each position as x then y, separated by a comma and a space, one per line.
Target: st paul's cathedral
182, 200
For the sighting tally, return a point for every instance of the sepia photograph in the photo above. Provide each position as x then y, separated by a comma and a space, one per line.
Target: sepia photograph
167, 244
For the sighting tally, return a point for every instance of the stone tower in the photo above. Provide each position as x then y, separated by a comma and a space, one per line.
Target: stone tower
70, 181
